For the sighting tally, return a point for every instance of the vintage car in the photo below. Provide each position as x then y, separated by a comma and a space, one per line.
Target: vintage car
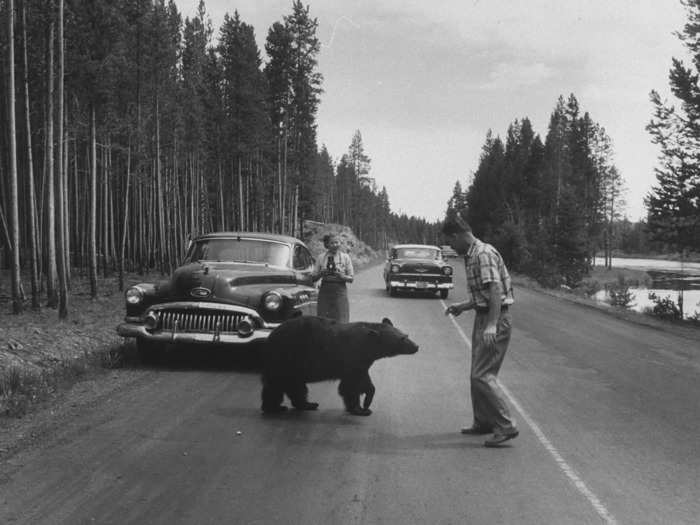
447, 251
417, 267
232, 289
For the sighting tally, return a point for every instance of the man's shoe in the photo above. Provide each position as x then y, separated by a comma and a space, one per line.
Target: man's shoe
476, 430
499, 438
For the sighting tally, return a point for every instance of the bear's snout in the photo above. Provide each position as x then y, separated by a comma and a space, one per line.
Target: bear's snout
410, 347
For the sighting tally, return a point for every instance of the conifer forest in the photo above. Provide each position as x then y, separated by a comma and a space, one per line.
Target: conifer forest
127, 130
131, 131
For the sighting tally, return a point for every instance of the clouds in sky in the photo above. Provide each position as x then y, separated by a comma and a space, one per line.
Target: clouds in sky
425, 81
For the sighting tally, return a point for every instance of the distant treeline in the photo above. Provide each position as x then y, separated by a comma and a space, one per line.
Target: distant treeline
129, 131
547, 206
550, 207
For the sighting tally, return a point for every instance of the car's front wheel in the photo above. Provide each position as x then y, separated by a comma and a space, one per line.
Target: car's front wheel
149, 351
444, 293
392, 291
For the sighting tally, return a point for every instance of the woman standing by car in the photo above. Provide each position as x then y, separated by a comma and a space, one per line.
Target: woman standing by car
335, 270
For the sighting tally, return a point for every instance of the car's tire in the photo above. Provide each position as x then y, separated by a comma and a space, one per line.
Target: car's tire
392, 291
149, 351
444, 294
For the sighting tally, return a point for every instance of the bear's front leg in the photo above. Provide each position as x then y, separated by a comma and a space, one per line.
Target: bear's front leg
298, 393
349, 390
367, 387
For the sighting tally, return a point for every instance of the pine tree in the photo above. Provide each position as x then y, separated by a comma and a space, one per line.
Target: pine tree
673, 204
17, 304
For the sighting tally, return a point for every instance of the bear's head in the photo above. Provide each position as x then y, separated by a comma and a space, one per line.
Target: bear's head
391, 341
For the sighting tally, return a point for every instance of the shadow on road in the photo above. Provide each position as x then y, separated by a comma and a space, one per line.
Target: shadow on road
193, 357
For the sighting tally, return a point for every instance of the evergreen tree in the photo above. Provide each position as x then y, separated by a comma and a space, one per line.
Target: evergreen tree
673, 204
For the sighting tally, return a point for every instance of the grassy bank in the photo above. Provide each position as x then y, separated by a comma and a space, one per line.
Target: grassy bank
40, 355
600, 279
690, 257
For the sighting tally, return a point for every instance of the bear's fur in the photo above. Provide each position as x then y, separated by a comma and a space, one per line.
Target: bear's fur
309, 349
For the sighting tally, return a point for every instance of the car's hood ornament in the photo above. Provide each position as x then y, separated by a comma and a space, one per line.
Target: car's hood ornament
200, 292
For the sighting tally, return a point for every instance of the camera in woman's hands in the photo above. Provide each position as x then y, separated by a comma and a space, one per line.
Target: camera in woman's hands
330, 266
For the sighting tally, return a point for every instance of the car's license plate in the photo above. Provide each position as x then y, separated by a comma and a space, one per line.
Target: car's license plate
421, 284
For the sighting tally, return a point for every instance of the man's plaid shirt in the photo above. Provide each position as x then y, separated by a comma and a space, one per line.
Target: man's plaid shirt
485, 265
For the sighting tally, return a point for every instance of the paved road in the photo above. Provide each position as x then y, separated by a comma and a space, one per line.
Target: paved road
609, 414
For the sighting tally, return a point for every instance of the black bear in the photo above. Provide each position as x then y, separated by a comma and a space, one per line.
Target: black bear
309, 349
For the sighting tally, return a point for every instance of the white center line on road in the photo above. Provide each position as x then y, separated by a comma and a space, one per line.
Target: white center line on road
569, 471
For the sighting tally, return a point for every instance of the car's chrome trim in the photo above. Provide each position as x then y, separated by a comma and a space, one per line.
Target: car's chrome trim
422, 275
139, 331
303, 305
424, 285
204, 305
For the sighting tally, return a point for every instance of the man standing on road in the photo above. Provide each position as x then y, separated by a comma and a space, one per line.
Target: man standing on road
491, 294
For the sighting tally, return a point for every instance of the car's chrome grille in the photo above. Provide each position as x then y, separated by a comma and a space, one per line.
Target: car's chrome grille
189, 321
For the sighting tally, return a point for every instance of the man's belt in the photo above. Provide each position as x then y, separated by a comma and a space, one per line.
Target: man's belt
485, 309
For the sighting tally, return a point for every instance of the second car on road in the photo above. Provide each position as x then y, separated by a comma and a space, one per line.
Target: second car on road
417, 268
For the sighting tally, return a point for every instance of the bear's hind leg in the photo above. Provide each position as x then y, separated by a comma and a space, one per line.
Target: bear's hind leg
272, 396
297, 393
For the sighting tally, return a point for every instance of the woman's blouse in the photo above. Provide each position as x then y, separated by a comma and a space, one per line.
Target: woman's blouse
342, 262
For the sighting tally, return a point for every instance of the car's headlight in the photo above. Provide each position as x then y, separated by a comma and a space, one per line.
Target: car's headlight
447, 270
134, 295
395, 268
272, 301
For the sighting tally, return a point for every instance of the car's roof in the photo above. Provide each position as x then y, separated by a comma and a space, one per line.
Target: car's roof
416, 246
255, 235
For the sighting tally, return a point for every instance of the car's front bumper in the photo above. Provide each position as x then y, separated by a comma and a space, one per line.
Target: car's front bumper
197, 322
420, 285
139, 331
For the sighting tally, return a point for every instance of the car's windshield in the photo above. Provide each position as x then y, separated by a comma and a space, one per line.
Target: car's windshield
417, 253
240, 250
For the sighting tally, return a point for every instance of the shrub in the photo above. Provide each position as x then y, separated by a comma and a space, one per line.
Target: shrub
664, 307
588, 288
619, 294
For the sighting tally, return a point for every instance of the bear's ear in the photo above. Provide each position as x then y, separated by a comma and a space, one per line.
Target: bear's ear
387, 321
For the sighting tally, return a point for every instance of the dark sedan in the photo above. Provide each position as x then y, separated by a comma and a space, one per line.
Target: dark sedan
232, 289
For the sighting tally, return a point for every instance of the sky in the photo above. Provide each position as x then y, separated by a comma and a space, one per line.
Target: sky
423, 82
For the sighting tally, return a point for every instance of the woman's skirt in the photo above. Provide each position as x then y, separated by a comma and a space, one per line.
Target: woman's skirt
333, 301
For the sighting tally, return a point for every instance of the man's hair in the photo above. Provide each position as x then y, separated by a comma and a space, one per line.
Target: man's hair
455, 224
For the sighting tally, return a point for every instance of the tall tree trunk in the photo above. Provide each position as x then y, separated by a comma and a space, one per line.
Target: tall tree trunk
51, 271
33, 233
17, 305
66, 204
92, 248
105, 209
222, 211
159, 196
125, 225
61, 251
240, 196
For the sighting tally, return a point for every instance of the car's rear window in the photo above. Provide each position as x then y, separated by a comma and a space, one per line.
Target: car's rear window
240, 250
417, 253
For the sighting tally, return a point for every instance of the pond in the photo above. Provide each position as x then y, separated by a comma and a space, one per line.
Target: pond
667, 277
